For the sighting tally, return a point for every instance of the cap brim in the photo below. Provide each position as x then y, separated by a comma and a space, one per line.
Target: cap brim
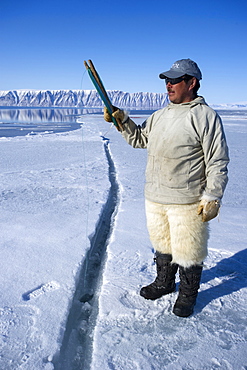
171, 74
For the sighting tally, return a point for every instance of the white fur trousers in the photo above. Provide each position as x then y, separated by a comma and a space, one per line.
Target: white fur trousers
176, 229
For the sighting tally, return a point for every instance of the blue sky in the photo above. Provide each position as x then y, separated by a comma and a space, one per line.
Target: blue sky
43, 44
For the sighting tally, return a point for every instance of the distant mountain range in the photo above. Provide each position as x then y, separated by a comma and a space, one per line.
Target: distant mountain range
80, 98
91, 99
233, 106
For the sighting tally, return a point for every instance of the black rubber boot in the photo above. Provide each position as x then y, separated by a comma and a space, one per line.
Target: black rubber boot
188, 290
165, 280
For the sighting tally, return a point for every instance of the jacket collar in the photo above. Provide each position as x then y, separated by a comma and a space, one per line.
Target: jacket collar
190, 104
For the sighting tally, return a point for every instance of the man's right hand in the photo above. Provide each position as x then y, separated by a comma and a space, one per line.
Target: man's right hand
118, 114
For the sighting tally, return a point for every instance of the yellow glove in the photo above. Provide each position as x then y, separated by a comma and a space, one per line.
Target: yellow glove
208, 210
118, 114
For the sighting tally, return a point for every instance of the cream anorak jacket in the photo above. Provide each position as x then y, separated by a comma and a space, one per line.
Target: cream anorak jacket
187, 152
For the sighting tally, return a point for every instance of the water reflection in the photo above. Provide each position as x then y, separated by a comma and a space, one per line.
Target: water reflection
19, 122
30, 121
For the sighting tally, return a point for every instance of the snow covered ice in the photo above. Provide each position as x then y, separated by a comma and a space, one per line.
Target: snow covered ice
75, 252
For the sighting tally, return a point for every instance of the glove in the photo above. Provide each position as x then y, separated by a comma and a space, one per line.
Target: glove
208, 209
118, 114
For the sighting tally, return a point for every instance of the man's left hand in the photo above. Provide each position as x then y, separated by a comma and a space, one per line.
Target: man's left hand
208, 210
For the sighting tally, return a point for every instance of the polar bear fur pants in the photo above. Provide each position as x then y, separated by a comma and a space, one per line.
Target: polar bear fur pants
178, 230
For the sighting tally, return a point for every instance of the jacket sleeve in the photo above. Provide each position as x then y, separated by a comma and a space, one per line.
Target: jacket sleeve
216, 156
137, 135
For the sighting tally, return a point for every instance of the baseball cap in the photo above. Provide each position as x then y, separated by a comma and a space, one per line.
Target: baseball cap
183, 67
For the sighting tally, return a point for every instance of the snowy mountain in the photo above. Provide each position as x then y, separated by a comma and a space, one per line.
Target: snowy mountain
240, 105
80, 98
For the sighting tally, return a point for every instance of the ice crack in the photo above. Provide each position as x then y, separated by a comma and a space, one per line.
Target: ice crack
76, 348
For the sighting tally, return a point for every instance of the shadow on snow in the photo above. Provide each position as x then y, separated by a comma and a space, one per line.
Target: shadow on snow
231, 271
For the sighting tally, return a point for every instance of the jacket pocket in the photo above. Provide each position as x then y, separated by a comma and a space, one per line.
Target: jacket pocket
174, 173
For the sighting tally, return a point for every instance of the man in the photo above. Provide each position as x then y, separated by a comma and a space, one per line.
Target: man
186, 176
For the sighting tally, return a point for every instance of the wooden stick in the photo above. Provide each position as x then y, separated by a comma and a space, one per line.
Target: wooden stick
103, 91
95, 73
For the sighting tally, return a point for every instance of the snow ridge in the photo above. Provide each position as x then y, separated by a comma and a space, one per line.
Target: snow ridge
80, 98
76, 347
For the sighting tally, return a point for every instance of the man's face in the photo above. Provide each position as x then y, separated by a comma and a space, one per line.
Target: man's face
181, 92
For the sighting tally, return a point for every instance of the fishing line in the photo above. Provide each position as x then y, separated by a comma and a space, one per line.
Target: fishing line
80, 120
82, 79
87, 197
87, 205
103, 137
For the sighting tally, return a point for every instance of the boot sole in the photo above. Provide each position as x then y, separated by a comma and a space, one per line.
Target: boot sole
157, 297
179, 312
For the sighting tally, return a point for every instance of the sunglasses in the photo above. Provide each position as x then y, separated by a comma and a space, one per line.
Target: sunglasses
174, 81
